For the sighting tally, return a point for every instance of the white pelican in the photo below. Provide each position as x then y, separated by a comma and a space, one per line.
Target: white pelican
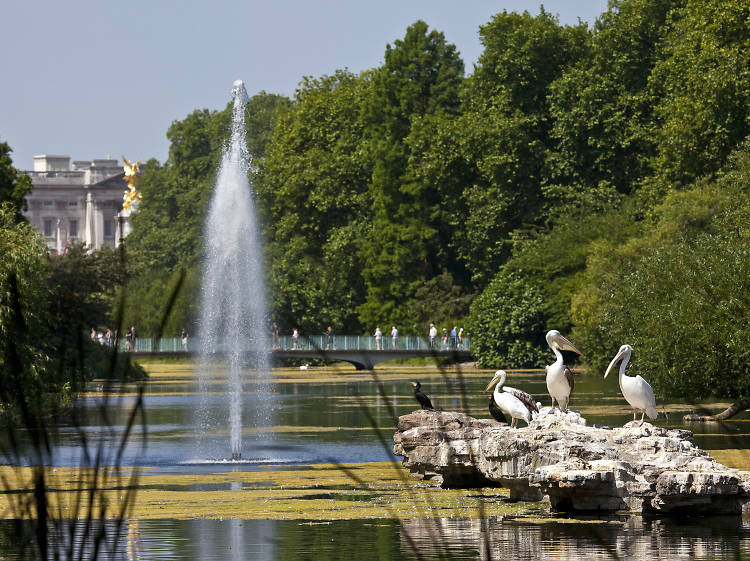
636, 391
559, 376
516, 403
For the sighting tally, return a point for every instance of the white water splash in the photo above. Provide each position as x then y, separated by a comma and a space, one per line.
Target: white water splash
233, 327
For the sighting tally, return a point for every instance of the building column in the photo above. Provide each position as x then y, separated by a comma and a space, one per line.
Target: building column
58, 239
88, 228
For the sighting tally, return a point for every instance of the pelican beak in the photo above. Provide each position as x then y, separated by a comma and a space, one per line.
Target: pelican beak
492, 382
564, 345
618, 357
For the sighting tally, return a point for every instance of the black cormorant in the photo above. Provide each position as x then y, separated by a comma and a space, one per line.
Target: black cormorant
422, 399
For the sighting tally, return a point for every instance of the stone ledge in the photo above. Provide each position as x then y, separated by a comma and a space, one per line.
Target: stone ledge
639, 468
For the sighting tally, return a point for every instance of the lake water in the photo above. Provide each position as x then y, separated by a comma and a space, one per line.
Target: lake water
335, 414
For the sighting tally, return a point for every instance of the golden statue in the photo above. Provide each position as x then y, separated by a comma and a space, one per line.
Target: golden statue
131, 196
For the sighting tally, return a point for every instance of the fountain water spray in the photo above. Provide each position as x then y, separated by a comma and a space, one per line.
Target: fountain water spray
233, 307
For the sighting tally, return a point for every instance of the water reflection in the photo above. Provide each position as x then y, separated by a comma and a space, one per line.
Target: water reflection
632, 538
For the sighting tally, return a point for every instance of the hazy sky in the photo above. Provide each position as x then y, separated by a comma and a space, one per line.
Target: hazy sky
91, 79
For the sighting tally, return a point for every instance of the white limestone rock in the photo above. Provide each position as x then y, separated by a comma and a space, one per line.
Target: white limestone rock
575, 467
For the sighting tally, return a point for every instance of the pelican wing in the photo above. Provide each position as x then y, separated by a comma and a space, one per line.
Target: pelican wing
639, 394
569, 378
523, 397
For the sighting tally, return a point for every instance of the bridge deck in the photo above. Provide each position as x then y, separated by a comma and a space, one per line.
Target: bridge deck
362, 351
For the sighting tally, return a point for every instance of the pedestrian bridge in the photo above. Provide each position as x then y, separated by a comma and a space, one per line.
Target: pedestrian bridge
363, 351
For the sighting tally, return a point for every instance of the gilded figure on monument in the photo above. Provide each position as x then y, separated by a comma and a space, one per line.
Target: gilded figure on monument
131, 195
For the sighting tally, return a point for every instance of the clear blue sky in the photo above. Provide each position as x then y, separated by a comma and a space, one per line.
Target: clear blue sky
89, 79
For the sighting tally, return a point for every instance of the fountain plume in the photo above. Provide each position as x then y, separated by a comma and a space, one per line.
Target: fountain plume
233, 310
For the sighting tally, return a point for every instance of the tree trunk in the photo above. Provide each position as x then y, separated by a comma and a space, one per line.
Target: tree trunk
736, 407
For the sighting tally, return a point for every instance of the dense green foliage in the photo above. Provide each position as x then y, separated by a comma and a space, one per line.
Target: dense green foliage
418, 83
14, 184
48, 304
313, 187
678, 292
578, 179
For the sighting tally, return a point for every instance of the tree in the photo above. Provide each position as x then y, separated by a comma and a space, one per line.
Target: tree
503, 132
703, 83
312, 186
603, 110
507, 323
261, 114
675, 292
419, 80
14, 184
22, 312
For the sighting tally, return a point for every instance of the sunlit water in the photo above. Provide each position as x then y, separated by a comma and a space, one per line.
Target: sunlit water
329, 420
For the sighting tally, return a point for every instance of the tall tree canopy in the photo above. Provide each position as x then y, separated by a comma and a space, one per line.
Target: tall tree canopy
419, 81
14, 184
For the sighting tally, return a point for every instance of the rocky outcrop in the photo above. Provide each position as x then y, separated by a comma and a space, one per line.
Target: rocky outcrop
640, 468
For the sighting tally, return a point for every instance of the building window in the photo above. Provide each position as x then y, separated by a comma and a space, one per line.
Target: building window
72, 203
73, 229
48, 228
47, 203
109, 228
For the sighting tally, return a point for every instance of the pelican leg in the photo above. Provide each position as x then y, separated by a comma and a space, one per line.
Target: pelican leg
634, 414
639, 423
564, 408
513, 423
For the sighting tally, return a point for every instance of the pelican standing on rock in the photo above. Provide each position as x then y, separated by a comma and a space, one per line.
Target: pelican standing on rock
636, 391
559, 376
516, 403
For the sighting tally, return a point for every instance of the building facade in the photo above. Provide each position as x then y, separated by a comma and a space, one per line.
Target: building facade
81, 204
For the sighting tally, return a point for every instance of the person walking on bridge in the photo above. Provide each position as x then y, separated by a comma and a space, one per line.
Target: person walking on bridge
378, 339
394, 336
295, 339
433, 335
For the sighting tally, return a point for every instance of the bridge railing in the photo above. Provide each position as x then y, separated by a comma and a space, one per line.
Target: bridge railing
310, 343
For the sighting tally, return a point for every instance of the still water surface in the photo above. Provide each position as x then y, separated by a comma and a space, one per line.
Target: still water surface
327, 415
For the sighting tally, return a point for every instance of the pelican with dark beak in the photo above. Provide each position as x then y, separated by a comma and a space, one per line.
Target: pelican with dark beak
636, 391
516, 403
559, 376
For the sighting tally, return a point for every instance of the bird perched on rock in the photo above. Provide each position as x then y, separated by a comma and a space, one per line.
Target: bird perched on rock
516, 403
636, 391
422, 399
559, 376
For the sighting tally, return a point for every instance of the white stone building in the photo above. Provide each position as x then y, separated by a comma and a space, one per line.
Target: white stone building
81, 204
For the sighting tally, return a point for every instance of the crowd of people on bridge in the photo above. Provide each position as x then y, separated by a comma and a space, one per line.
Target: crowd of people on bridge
111, 338
452, 339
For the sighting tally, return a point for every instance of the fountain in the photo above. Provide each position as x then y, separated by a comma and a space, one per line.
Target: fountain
233, 310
